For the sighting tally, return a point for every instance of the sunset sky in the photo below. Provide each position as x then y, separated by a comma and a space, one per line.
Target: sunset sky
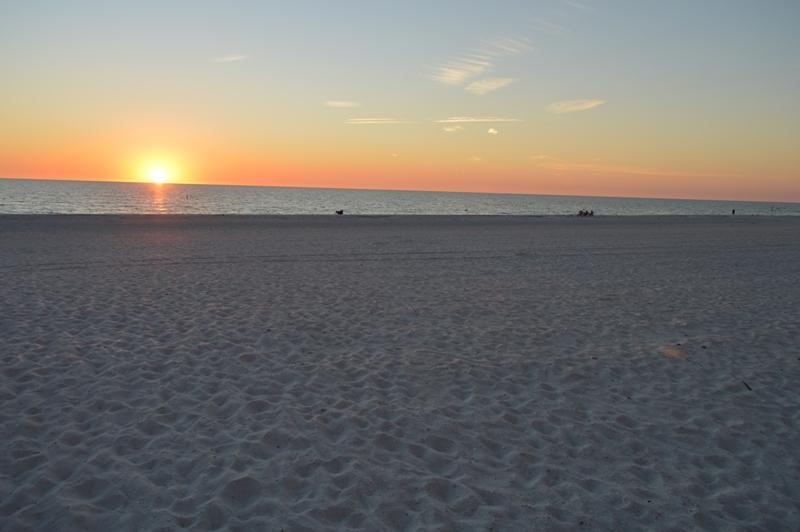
688, 99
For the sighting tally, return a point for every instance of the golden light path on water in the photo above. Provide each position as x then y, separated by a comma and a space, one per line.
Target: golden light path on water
159, 197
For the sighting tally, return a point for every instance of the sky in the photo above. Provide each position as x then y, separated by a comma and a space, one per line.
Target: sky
644, 98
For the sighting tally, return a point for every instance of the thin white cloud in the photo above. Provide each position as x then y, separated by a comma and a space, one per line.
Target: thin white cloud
578, 5
341, 104
545, 26
475, 119
476, 159
231, 58
452, 129
459, 70
574, 106
503, 46
492, 131
375, 121
487, 85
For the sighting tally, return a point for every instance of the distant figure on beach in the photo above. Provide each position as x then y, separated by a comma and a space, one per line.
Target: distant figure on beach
733, 211
340, 212
583, 212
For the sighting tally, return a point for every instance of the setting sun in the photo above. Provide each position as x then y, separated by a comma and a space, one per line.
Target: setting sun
156, 167
158, 174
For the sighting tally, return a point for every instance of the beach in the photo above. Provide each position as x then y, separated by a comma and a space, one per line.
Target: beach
399, 373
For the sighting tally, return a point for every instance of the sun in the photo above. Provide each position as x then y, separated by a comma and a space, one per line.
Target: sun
157, 168
158, 174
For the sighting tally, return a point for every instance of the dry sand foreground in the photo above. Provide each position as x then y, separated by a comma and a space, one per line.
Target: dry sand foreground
409, 373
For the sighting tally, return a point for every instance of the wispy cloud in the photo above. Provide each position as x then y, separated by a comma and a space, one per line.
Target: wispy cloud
578, 5
492, 131
452, 129
475, 119
458, 71
545, 26
461, 69
476, 159
375, 121
341, 104
502, 46
573, 106
230, 58
558, 165
485, 86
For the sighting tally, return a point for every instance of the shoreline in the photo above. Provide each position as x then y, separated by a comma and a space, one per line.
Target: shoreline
405, 218
392, 190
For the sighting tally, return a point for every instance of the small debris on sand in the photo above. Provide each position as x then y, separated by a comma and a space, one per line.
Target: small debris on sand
672, 351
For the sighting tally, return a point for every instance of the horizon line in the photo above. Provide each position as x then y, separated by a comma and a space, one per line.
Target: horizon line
166, 184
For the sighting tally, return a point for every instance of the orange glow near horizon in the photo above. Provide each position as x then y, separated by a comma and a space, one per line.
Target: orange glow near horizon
460, 180
365, 160
523, 158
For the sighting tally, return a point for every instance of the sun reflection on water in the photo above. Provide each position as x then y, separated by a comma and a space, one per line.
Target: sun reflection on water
159, 194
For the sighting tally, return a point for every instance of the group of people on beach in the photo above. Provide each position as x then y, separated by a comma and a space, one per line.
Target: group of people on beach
585, 213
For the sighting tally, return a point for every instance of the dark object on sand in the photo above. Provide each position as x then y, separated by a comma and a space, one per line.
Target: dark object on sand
733, 211
340, 212
747, 386
585, 213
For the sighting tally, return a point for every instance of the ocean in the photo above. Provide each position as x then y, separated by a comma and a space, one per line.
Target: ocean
21, 196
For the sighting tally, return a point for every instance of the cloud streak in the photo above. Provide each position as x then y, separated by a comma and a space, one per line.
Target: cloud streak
557, 165
574, 106
485, 86
460, 70
578, 5
476, 120
375, 121
503, 46
545, 26
340, 104
230, 58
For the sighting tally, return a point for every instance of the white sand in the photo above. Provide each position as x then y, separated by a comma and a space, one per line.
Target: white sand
399, 373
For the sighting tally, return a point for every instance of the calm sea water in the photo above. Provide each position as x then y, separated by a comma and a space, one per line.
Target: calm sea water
19, 196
